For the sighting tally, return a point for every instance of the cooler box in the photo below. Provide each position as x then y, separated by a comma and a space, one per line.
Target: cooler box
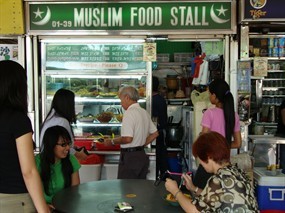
270, 190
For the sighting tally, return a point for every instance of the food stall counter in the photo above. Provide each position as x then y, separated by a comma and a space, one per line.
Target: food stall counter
266, 139
149, 151
265, 149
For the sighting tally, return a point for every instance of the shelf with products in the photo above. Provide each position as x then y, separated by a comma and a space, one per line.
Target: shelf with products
272, 96
267, 92
273, 86
95, 124
271, 58
169, 64
272, 124
271, 46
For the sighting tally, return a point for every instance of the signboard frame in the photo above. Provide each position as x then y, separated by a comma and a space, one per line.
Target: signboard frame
142, 31
108, 58
262, 13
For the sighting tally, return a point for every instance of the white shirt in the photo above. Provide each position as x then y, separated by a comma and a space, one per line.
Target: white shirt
136, 123
55, 120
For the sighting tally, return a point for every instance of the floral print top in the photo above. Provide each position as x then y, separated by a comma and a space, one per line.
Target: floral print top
229, 190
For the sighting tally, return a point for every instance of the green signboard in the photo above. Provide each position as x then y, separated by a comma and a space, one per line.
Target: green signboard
95, 57
126, 16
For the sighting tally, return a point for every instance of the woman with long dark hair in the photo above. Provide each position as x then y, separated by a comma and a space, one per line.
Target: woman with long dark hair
62, 113
222, 119
58, 169
20, 184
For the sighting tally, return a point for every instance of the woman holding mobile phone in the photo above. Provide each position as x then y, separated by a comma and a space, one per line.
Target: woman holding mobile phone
229, 187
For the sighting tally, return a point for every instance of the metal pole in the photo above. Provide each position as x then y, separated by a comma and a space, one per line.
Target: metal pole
227, 59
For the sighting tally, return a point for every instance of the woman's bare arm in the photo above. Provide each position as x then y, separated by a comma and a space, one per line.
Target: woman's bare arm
75, 179
30, 172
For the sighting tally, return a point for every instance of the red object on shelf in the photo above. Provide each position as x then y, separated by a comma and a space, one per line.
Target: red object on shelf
87, 143
102, 147
92, 159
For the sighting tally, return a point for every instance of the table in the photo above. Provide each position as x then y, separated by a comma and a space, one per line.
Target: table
103, 196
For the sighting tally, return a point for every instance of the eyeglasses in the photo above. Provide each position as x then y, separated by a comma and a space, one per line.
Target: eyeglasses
64, 144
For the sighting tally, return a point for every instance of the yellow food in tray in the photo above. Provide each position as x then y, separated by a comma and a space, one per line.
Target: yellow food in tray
273, 167
108, 94
119, 117
170, 197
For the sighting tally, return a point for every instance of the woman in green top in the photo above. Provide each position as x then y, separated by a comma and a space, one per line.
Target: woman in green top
58, 169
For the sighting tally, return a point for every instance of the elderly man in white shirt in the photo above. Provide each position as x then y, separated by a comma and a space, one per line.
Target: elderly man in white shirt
137, 131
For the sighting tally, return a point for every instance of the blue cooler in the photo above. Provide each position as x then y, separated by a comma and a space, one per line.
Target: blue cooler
270, 190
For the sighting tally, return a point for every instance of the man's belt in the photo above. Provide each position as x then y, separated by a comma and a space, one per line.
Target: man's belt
132, 149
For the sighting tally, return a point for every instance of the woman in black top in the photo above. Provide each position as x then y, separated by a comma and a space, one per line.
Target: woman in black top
20, 184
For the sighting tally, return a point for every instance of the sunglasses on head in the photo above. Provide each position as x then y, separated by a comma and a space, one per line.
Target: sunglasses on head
64, 144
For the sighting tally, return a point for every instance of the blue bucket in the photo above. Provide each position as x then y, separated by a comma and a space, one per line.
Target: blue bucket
174, 165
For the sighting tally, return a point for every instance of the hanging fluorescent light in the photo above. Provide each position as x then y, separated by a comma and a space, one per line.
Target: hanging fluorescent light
99, 76
194, 38
130, 39
157, 38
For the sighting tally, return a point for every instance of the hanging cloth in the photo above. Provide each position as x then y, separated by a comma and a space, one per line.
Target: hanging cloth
198, 61
204, 70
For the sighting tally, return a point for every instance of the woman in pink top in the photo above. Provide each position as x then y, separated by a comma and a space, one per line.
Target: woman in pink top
222, 119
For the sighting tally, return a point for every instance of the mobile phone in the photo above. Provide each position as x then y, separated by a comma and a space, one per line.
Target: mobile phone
178, 173
117, 209
123, 207
177, 176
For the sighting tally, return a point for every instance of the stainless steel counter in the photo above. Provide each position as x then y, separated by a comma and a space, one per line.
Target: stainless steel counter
266, 139
148, 151
265, 149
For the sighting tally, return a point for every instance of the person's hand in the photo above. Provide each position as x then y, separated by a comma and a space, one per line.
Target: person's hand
171, 186
188, 182
81, 155
107, 142
51, 207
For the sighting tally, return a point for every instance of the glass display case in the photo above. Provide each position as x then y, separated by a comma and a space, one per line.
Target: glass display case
97, 105
94, 71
